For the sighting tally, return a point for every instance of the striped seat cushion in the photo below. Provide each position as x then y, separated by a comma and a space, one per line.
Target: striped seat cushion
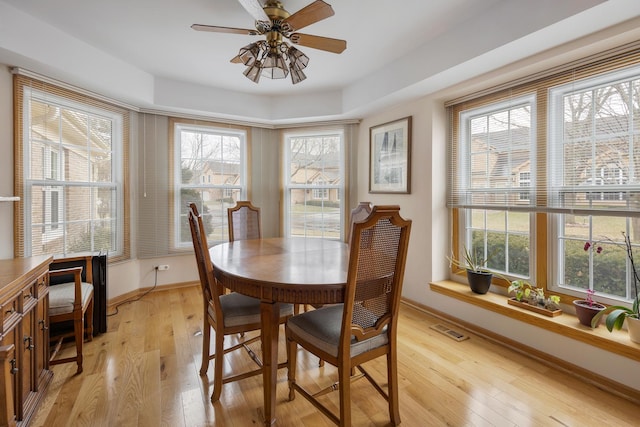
61, 297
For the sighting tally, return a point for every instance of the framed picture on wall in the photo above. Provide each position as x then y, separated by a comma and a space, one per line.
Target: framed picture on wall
390, 157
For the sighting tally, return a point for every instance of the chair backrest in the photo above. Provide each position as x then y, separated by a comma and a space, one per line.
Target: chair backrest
244, 221
210, 288
359, 213
376, 271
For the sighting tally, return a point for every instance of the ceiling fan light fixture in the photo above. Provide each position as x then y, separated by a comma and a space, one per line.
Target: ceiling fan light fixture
273, 57
274, 66
297, 59
254, 71
247, 55
297, 75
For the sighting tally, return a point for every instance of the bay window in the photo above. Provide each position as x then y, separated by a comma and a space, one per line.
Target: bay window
542, 170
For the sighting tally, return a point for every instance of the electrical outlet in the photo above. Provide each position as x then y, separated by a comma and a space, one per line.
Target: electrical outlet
162, 267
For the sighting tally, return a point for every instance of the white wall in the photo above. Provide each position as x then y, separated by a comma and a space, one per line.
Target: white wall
6, 163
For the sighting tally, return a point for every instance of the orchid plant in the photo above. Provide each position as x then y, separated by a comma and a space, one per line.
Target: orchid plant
616, 314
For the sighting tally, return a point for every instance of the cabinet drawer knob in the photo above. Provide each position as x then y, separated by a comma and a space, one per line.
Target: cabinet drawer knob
14, 369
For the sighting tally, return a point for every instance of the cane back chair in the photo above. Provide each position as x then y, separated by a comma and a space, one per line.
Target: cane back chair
228, 314
244, 221
365, 326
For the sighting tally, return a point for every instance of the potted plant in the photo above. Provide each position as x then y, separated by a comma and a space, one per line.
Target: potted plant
533, 298
617, 314
478, 276
521, 289
586, 309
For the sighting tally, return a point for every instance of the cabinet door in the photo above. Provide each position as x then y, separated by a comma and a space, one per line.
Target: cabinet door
11, 337
28, 355
42, 339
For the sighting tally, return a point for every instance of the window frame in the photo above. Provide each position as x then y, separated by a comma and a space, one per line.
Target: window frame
204, 184
288, 187
26, 183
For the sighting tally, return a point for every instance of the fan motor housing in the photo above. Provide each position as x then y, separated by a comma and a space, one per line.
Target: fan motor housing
275, 11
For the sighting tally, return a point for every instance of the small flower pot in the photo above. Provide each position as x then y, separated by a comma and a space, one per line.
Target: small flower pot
479, 281
585, 312
633, 325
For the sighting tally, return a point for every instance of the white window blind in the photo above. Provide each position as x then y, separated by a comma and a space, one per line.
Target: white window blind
594, 142
495, 147
70, 172
584, 132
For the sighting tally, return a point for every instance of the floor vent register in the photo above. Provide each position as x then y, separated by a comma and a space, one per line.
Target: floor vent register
454, 335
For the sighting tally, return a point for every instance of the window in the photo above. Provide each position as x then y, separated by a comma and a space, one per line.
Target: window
496, 152
572, 140
72, 173
596, 150
314, 174
210, 169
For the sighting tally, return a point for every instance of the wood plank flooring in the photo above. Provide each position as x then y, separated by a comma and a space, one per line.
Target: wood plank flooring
144, 372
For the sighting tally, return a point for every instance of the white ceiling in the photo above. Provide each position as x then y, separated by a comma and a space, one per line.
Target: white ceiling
144, 52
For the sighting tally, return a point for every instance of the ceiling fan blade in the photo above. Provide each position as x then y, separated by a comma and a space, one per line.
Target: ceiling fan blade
318, 42
254, 7
314, 12
230, 30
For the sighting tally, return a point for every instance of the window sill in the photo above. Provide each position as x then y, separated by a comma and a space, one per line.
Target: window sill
617, 342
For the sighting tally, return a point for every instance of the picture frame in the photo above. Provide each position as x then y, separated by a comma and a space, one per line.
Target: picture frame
390, 157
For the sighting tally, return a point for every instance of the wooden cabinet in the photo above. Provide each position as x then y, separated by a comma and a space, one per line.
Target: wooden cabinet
24, 337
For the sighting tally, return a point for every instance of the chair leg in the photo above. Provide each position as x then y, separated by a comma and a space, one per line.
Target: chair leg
218, 360
292, 351
392, 381
206, 343
344, 378
78, 326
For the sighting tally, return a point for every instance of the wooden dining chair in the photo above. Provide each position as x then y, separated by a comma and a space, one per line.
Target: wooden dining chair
70, 306
365, 326
244, 221
359, 213
228, 314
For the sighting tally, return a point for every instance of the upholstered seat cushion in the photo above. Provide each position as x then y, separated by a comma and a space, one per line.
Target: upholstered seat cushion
240, 309
61, 297
322, 327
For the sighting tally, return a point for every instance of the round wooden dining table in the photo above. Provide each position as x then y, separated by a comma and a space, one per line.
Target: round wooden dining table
281, 270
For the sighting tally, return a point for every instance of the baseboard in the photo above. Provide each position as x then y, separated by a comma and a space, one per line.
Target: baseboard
585, 375
113, 302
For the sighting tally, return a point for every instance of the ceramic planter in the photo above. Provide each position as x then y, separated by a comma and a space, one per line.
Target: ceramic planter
633, 325
479, 281
585, 312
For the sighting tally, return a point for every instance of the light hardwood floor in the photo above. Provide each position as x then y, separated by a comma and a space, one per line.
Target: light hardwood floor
144, 372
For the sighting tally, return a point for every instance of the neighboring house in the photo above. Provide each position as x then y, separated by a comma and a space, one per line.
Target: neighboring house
323, 178
61, 151
217, 173
499, 165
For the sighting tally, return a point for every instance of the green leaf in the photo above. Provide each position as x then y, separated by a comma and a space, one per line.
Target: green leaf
616, 317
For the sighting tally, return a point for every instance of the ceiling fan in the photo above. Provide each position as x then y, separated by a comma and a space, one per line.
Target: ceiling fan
274, 57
